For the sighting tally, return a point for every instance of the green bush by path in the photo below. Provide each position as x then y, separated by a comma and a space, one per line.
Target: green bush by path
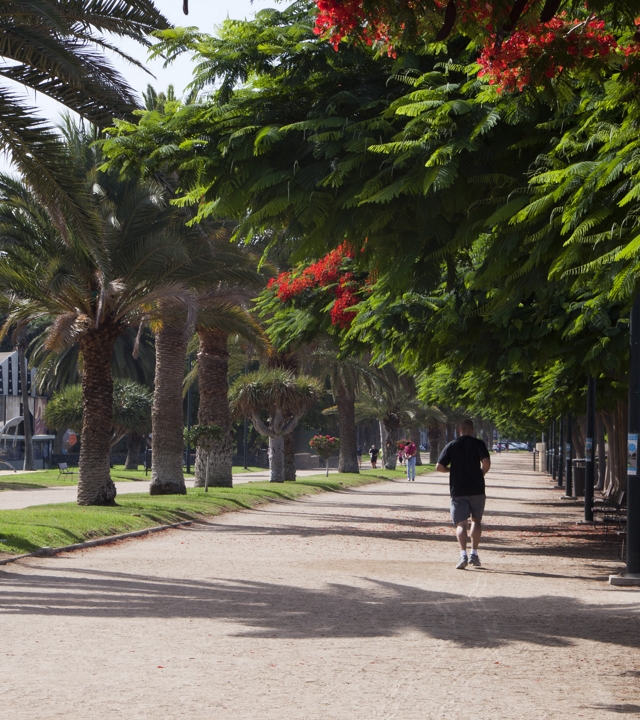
27, 530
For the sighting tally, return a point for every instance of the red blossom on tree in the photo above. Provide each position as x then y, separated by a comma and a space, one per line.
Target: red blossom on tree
523, 41
329, 275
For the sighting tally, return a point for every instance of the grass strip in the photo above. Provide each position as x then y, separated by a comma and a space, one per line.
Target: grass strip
51, 478
28, 530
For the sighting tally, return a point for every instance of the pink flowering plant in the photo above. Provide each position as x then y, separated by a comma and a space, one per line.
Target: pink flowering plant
325, 446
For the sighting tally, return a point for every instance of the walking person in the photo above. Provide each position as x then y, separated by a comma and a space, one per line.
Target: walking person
359, 454
411, 453
467, 461
373, 456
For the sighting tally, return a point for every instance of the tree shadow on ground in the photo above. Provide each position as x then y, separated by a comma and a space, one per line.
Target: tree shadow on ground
10, 485
372, 609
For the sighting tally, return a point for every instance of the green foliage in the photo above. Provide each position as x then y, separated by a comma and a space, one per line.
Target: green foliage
202, 435
131, 409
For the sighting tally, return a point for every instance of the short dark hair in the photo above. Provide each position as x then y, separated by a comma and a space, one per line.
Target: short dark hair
467, 424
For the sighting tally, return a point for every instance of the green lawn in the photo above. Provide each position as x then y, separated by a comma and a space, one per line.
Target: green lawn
23, 531
52, 478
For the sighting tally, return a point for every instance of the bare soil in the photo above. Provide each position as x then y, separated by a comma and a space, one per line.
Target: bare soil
339, 606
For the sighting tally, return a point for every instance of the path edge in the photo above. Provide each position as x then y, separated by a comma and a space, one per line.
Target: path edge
50, 552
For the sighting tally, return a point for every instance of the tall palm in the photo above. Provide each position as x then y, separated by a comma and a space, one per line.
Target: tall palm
348, 377
93, 286
222, 313
226, 265
283, 397
57, 47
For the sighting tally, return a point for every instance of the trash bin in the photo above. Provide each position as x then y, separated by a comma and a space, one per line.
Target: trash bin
579, 476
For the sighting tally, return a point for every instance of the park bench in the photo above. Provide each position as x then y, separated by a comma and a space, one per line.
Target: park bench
65, 470
611, 506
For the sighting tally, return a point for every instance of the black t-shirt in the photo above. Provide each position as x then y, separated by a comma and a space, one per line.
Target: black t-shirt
462, 456
373, 454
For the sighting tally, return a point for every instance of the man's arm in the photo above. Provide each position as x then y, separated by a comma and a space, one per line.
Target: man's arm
441, 468
486, 464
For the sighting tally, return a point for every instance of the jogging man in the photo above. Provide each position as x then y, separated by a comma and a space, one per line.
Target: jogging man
467, 461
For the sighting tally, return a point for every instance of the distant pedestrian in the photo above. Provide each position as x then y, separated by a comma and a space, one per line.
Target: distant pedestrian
411, 453
373, 456
359, 454
401, 446
467, 461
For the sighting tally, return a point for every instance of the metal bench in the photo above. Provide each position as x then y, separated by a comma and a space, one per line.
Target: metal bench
65, 471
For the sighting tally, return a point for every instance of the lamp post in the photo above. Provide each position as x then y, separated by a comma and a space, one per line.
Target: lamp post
189, 421
569, 455
561, 454
588, 452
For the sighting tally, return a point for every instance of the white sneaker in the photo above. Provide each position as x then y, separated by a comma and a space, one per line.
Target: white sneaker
462, 564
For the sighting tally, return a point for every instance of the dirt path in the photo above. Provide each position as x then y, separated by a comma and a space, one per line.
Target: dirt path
341, 606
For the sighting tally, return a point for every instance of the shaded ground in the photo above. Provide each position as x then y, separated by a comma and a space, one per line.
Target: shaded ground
343, 605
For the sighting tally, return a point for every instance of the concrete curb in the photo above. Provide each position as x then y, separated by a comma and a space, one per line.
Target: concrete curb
49, 552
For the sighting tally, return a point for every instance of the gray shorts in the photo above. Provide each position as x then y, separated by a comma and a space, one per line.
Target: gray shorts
465, 506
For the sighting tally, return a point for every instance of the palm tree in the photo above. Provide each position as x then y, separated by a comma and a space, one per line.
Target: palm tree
93, 286
225, 266
57, 47
347, 376
222, 314
284, 397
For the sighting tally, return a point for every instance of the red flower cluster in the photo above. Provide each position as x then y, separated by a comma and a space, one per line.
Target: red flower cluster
327, 274
339, 18
554, 45
528, 53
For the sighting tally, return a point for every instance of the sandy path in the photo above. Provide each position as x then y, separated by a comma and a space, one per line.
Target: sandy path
340, 606
27, 497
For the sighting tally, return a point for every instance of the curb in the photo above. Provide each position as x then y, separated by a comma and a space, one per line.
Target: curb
50, 552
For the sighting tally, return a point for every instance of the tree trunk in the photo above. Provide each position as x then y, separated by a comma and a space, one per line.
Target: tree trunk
414, 436
391, 425
383, 440
433, 433
621, 417
134, 443
348, 453
95, 486
167, 419
213, 383
29, 460
290, 456
276, 459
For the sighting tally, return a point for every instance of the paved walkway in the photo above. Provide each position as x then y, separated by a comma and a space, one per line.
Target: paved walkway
27, 497
336, 607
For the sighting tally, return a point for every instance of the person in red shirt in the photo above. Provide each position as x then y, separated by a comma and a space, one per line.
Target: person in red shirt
411, 453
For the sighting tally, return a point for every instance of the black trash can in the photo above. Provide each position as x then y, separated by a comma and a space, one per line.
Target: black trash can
579, 476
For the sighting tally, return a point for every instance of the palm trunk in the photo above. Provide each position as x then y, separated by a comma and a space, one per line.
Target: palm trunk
391, 425
95, 486
290, 456
434, 444
29, 460
414, 436
348, 453
276, 459
167, 420
134, 442
213, 383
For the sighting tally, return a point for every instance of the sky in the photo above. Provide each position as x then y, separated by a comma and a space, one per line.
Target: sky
203, 14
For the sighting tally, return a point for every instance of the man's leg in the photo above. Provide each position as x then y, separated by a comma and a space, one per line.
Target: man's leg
461, 534
413, 462
476, 533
